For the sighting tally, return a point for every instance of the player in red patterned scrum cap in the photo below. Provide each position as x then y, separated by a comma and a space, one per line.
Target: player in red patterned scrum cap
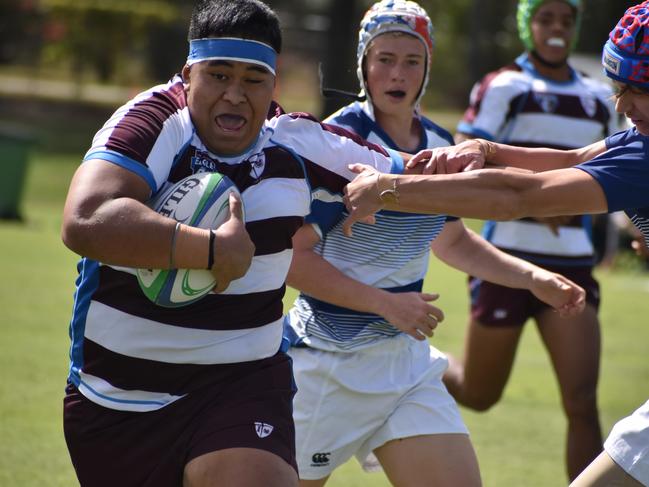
606, 176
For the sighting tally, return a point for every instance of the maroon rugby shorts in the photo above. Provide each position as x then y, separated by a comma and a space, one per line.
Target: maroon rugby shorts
251, 409
495, 305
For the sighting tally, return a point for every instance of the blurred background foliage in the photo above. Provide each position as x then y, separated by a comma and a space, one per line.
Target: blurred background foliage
138, 43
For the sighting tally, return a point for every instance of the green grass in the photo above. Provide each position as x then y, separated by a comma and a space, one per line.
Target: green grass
35, 298
519, 442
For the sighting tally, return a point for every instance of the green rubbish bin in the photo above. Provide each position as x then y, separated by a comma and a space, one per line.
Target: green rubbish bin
15, 144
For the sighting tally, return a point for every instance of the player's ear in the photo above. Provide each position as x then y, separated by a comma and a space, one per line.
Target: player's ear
185, 74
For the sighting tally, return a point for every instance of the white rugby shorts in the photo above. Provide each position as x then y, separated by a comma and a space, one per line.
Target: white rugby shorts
349, 403
628, 444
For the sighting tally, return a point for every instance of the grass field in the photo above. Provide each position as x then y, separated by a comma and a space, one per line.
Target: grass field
519, 443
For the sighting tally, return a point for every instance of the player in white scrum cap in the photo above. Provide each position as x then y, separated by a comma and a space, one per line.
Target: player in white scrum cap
609, 175
368, 380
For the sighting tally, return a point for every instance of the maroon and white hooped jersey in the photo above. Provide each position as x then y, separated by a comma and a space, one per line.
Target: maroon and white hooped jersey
517, 106
129, 354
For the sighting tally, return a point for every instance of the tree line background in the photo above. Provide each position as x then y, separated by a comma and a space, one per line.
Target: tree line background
139, 43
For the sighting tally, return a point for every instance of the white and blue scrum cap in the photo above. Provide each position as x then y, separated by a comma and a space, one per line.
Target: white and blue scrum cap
232, 49
394, 16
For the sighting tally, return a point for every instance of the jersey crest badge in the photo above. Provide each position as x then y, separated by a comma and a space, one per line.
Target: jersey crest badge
547, 101
257, 165
263, 429
589, 104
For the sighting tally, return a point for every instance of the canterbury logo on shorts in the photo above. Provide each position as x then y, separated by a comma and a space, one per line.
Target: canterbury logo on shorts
320, 459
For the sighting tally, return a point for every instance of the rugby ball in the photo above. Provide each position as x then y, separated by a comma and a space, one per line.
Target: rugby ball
200, 200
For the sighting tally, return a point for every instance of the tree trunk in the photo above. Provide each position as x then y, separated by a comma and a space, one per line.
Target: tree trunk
339, 67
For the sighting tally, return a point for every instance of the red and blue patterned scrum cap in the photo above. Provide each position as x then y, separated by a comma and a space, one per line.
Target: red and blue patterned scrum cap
626, 53
394, 16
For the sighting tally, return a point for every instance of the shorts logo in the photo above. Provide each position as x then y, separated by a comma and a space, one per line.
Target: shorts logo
320, 459
263, 429
500, 314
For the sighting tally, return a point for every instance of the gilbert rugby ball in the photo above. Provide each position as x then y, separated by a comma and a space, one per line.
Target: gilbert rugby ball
200, 200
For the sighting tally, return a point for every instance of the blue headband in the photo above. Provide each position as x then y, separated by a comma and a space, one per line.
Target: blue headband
233, 49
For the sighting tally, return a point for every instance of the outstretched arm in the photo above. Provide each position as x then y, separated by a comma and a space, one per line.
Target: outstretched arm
485, 194
410, 312
478, 153
540, 158
462, 249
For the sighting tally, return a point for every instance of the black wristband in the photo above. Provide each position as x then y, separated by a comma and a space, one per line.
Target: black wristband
172, 251
210, 251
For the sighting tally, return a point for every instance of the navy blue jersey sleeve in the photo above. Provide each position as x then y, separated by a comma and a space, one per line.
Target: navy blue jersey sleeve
623, 170
620, 138
325, 215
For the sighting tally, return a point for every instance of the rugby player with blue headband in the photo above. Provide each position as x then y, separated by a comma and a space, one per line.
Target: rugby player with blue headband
204, 392
229, 76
